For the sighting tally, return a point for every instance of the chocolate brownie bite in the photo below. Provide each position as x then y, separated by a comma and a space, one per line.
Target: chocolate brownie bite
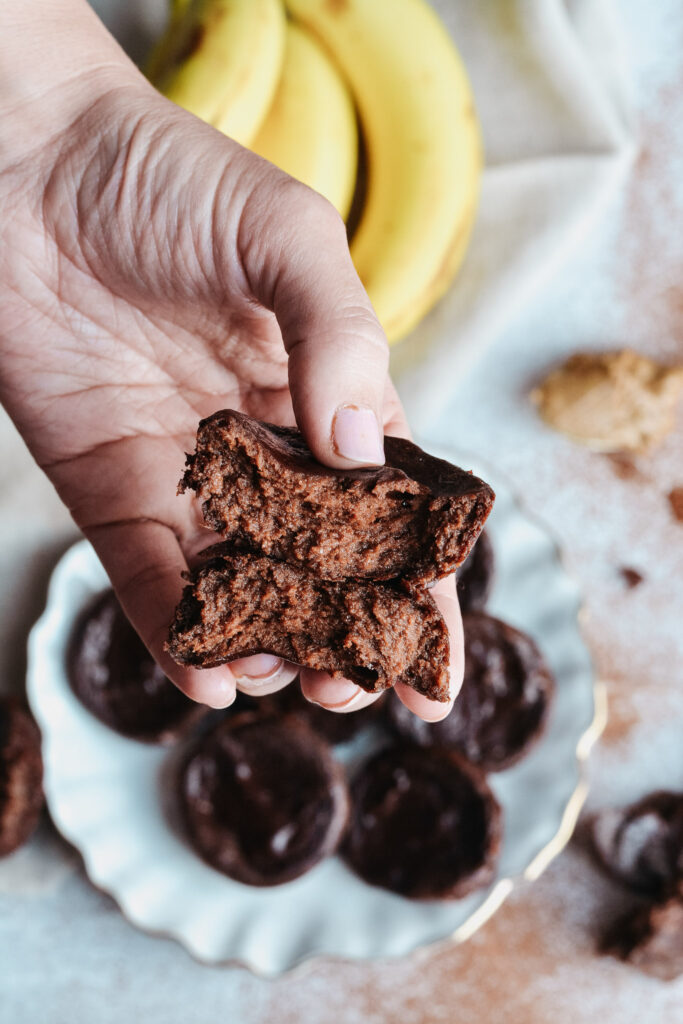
475, 575
503, 704
416, 517
21, 775
424, 823
335, 727
642, 845
374, 634
115, 677
262, 799
651, 939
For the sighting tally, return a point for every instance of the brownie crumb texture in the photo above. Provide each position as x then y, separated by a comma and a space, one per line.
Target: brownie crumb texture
260, 487
371, 633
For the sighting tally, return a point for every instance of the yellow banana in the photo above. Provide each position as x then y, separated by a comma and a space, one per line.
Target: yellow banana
221, 60
424, 148
310, 131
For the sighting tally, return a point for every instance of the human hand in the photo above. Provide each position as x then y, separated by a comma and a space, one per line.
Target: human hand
151, 272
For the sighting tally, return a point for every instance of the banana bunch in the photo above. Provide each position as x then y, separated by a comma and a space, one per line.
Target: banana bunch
296, 90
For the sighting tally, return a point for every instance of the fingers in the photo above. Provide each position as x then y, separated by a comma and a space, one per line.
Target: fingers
262, 674
334, 694
338, 354
144, 563
444, 594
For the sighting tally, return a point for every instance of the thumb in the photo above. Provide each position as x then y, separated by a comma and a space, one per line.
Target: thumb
338, 353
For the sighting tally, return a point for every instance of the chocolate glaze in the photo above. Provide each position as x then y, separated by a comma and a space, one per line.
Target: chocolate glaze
21, 775
503, 704
475, 575
642, 845
115, 677
374, 634
416, 517
263, 799
424, 823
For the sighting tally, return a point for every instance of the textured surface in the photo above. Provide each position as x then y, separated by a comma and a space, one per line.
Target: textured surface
259, 486
624, 287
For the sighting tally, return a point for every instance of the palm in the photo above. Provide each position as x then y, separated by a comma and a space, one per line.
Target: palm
122, 397
135, 298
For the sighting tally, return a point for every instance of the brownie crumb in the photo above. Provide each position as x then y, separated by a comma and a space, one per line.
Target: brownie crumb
631, 577
21, 775
650, 938
624, 466
676, 502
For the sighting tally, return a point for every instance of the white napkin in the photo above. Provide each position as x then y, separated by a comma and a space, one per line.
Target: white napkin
549, 87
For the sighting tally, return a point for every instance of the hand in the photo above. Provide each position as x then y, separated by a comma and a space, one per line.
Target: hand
151, 272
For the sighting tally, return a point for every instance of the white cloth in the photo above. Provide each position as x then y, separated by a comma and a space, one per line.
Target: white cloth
549, 85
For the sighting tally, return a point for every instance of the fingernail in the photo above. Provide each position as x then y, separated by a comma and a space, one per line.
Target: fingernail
257, 667
337, 694
221, 695
437, 713
356, 435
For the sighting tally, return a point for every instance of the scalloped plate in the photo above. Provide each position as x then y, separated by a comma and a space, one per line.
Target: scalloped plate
105, 792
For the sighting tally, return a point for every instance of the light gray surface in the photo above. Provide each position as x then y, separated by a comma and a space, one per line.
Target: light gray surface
67, 956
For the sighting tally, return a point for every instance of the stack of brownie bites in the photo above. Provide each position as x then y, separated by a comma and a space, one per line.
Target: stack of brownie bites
331, 570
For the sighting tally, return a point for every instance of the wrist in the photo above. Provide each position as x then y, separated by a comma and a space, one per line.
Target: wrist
56, 60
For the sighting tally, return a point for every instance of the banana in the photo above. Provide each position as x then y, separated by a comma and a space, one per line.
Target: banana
310, 131
423, 142
221, 60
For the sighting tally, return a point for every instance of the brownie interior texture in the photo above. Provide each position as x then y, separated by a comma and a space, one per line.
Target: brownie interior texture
374, 634
416, 517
